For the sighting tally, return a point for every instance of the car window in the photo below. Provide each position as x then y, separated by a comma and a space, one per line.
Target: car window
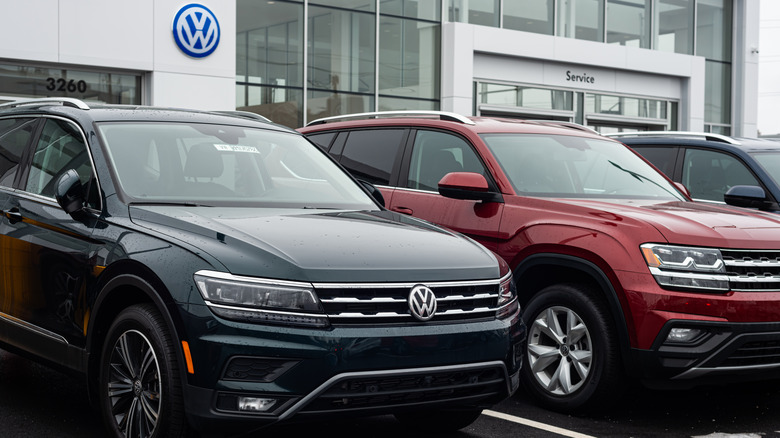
226, 166
60, 148
323, 140
370, 155
708, 174
770, 162
662, 157
15, 134
436, 154
558, 165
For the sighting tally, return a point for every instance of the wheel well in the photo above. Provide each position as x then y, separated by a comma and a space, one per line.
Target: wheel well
542, 270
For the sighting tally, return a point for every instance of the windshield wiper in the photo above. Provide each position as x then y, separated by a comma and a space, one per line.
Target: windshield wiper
170, 203
640, 177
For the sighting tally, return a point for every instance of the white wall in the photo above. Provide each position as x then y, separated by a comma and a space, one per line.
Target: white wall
129, 36
471, 52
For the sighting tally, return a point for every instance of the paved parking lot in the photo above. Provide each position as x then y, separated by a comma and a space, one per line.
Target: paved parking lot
36, 401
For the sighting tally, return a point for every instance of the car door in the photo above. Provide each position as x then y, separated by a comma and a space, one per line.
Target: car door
433, 154
47, 255
708, 175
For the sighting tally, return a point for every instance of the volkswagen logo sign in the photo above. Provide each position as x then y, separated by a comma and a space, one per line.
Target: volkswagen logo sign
422, 302
196, 30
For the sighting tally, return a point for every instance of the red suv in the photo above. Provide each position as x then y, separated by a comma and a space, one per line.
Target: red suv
619, 273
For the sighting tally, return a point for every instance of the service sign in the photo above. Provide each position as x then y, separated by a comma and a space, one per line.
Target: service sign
196, 30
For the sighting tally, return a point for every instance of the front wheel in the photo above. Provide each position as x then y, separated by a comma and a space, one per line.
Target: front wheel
572, 351
140, 392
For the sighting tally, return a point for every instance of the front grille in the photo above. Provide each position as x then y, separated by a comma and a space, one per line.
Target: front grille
752, 270
420, 387
387, 303
754, 353
256, 369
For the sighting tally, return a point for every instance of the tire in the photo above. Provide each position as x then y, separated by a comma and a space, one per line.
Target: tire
573, 360
139, 383
439, 421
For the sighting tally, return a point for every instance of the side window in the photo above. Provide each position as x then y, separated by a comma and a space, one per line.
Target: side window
436, 154
370, 155
59, 149
661, 157
322, 140
14, 136
708, 175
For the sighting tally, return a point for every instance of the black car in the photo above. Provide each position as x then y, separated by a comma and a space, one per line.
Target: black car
218, 273
715, 168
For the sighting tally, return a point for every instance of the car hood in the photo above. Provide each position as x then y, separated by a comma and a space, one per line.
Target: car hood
322, 246
694, 223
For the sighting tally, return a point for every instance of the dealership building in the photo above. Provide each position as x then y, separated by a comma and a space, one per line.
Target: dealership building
614, 65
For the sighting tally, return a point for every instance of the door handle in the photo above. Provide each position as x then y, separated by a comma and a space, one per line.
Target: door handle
13, 215
403, 210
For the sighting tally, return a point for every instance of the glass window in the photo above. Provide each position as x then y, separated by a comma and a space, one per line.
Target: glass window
482, 12
325, 104
581, 19
527, 97
663, 158
371, 155
60, 148
323, 140
222, 165
549, 165
397, 103
358, 5
530, 15
626, 106
674, 23
708, 175
408, 58
770, 162
436, 154
27, 81
717, 96
628, 23
713, 29
341, 50
15, 134
282, 105
422, 9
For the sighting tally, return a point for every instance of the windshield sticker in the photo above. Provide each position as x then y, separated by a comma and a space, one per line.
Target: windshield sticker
236, 148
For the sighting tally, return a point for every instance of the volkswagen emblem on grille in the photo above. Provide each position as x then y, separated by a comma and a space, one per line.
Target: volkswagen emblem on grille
422, 302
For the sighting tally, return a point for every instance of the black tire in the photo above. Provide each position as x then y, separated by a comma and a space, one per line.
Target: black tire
573, 364
439, 421
140, 388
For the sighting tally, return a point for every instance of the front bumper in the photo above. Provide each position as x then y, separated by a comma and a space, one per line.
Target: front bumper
347, 370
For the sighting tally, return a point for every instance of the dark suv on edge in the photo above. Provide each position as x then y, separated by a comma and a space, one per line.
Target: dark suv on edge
715, 168
617, 271
215, 272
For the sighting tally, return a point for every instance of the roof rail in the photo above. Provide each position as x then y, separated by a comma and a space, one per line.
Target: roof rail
442, 115
572, 125
244, 115
684, 134
69, 101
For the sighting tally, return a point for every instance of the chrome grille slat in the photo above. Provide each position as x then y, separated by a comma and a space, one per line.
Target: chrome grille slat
364, 303
752, 270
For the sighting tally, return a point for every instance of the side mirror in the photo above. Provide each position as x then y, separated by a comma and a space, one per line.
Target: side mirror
374, 192
467, 185
70, 192
747, 196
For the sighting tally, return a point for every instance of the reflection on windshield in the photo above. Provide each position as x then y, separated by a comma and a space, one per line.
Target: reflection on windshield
218, 165
568, 166
770, 162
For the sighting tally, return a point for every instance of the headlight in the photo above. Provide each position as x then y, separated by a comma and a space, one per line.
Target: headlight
507, 297
260, 300
686, 267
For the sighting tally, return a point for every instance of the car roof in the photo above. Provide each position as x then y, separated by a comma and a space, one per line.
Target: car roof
705, 140
98, 112
440, 119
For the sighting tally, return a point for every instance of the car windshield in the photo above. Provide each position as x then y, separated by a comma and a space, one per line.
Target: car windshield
221, 165
770, 162
569, 166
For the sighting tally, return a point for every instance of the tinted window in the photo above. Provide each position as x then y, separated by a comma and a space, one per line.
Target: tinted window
661, 157
14, 136
371, 154
322, 140
59, 149
708, 175
436, 154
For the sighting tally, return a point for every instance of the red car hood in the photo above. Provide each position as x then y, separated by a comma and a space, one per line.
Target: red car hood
692, 223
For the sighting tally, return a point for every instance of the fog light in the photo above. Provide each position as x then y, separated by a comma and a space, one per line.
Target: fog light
683, 335
255, 404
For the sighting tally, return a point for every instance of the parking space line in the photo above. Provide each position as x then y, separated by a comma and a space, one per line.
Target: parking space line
535, 424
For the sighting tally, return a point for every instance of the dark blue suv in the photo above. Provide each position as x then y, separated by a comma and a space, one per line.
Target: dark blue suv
743, 172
